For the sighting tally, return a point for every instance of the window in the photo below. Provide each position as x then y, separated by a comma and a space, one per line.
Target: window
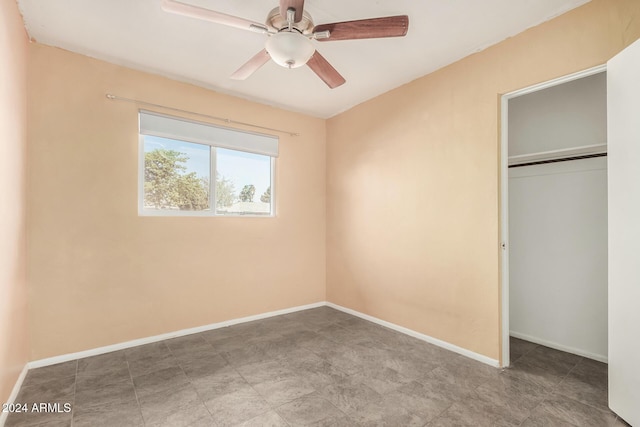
196, 169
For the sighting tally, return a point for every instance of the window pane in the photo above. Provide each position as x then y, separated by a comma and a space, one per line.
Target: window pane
243, 183
176, 175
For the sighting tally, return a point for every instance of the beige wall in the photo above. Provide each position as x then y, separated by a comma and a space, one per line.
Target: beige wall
100, 274
14, 333
412, 180
408, 192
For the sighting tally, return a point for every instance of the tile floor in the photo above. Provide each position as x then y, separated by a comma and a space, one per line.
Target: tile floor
317, 367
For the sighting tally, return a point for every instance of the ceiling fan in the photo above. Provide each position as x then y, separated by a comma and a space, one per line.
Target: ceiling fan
290, 30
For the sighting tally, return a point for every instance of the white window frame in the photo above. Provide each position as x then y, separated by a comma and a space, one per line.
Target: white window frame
252, 147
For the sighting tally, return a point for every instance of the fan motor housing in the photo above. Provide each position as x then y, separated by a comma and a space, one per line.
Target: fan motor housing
277, 22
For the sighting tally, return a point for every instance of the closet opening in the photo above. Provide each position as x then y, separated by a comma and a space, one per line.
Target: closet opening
554, 215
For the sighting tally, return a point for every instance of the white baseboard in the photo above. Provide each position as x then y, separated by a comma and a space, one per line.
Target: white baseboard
141, 341
448, 346
14, 393
588, 355
133, 343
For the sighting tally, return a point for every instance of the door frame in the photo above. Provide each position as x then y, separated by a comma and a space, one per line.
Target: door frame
504, 196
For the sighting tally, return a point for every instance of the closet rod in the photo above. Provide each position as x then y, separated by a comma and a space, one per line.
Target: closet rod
565, 159
222, 119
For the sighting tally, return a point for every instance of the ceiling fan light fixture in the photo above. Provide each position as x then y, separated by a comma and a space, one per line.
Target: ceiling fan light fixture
289, 49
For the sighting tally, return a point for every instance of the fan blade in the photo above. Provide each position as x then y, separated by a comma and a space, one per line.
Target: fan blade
325, 71
196, 12
251, 66
389, 26
298, 5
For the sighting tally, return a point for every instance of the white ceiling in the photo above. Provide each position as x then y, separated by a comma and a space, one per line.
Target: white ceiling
138, 34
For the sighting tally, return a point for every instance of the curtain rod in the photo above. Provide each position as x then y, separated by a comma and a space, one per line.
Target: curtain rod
222, 119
